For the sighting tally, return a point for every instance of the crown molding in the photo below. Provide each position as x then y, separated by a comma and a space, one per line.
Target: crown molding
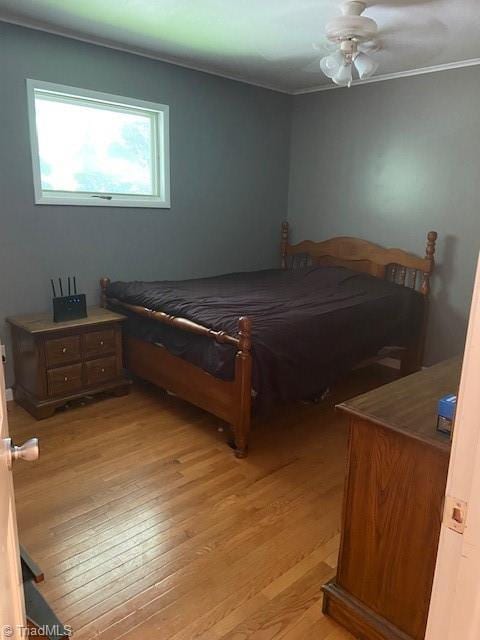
473, 62
65, 33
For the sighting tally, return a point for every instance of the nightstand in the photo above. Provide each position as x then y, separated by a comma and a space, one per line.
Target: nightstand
56, 362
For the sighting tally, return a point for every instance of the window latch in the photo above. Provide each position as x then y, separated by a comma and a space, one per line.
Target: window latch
103, 197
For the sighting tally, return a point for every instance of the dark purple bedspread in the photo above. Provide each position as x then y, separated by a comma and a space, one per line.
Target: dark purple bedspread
309, 325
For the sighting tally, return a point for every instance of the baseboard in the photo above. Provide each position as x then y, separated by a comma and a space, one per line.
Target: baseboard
356, 617
9, 394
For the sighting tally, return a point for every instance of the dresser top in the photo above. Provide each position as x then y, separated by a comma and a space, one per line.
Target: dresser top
43, 323
409, 405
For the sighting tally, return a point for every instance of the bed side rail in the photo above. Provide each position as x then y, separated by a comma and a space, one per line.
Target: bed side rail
241, 342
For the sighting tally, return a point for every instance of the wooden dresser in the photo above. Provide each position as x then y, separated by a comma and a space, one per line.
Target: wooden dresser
56, 362
393, 504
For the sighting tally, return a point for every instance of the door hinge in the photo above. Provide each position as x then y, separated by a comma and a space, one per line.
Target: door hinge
455, 514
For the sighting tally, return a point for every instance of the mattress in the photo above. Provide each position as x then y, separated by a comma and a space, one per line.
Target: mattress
309, 325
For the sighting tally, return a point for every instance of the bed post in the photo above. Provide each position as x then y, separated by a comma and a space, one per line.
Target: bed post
243, 379
412, 359
430, 256
283, 244
104, 282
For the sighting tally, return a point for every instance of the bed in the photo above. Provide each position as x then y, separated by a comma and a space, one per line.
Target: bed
256, 339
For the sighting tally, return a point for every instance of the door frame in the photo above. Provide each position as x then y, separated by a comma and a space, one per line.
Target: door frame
455, 603
12, 604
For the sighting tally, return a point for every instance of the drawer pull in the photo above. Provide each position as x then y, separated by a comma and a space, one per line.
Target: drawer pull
101, 370
62, 350
96, 343
67, 379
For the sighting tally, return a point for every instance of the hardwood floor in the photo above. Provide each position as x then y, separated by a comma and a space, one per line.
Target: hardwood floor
147, 526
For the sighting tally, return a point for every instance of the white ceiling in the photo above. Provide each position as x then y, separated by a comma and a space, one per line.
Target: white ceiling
275, 43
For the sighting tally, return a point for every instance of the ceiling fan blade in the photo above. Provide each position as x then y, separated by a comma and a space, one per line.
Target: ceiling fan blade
312, 67
324, 46
372, 46
399, 3
321, 48
430, 31
283, 57
418, 44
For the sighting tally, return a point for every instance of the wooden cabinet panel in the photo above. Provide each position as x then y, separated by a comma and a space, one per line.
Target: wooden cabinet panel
395, 489
59, 351
96, 343
396, 477
64, 380
100, 370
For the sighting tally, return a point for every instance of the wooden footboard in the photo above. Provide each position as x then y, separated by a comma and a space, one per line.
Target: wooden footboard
229, 400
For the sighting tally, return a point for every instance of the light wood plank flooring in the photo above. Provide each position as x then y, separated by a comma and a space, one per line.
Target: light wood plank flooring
147, 526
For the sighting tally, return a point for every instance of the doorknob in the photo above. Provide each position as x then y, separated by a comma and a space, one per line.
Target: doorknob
28, 451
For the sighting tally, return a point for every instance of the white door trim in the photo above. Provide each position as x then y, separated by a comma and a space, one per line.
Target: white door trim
455, 604
12, 605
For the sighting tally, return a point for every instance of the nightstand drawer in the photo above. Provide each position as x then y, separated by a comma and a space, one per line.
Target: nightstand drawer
96, 343
102, 370
64, 380
62, 350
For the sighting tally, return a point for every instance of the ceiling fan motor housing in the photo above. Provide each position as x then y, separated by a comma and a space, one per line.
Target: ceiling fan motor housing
352, 25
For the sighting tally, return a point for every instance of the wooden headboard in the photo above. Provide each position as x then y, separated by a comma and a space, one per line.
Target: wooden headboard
395, 265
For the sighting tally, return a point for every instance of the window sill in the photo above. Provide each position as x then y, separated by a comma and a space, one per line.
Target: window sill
138, 203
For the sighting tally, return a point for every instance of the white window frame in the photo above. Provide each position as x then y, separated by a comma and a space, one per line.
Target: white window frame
161, 158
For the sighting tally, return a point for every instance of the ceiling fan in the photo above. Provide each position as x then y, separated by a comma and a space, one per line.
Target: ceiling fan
349, 32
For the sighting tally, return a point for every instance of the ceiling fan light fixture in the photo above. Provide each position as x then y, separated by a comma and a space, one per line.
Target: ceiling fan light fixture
344, 77
347, 31
330, 65
365, 65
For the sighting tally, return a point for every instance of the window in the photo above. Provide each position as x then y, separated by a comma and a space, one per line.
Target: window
91, 148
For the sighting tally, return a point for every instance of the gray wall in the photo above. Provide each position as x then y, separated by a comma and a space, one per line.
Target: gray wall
389, 161
229, 167
386, 161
